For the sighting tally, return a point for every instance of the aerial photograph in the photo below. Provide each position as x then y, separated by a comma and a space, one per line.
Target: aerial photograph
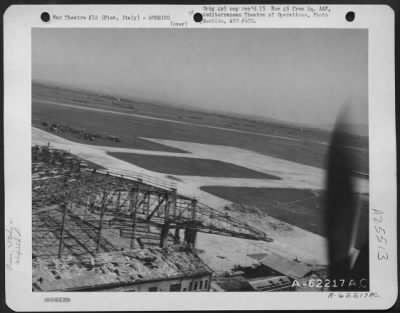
192, 160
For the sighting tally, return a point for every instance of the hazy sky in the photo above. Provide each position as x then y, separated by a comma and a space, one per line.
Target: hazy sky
301, 75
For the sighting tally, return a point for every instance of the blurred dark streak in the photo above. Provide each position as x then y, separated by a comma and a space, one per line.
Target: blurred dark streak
342, 213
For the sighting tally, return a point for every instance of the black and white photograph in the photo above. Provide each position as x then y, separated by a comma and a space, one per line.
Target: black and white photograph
195, 160
243, 154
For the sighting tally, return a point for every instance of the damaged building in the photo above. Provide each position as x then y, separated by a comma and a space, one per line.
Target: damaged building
97, 229
136, 270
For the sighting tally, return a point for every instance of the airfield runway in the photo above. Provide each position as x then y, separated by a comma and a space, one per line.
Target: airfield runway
79, 107
268, 174
289, 240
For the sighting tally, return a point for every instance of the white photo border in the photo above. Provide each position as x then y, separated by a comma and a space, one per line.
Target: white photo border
18, 23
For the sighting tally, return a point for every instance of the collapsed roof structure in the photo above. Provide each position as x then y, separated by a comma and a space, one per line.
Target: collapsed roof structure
82, 211
134, 270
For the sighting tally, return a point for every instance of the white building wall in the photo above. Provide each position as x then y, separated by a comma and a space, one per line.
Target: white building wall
165, 285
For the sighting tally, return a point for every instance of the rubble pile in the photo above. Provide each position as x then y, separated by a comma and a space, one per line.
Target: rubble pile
80, 133
115, 268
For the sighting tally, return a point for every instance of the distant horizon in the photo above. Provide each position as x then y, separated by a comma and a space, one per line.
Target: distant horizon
303, 76
359, 132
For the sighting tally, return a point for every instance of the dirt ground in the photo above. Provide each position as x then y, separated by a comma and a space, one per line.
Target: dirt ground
219, 251
294, 155
190, 166
131, 127
300, 207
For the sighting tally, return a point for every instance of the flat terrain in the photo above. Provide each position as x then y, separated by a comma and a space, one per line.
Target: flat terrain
189, 166
300, 207
224, 161
130, 121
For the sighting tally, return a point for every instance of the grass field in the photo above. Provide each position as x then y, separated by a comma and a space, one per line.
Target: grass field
129, 128
306, 148
190, 166
128, 142
91, 99
132, 122
300, 207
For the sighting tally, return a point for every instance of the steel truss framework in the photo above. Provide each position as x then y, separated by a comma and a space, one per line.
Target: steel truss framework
93, 200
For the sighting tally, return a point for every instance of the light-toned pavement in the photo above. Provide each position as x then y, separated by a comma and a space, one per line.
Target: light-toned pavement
220, 251
86, 108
